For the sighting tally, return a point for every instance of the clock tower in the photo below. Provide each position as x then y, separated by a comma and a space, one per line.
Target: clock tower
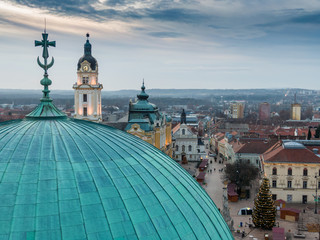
87, 96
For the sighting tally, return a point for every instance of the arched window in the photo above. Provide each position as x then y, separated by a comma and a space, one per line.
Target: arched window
290, 171
274, 171
305, 172
183, 131
190, 148
177, 148
183, 148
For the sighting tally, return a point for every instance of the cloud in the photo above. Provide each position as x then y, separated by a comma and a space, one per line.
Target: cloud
165, 34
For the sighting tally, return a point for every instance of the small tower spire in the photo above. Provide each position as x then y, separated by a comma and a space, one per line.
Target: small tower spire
143, 95
87, 46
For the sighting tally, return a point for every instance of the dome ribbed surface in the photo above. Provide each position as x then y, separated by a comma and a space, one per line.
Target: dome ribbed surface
73, 179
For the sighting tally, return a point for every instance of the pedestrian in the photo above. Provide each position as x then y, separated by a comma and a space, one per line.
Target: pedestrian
214, 169
243, 234
289, 235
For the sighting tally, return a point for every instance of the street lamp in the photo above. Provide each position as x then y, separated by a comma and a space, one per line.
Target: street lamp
316, 198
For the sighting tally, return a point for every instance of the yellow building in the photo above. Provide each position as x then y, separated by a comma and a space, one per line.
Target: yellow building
237, 109
293, 170
146, 122
296, 111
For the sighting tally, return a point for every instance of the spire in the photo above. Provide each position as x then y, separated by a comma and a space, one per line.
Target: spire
45, 108
143, 95
87, 46
183, 118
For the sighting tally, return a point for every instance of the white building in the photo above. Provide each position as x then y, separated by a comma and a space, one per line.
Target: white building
187, 146
87, 96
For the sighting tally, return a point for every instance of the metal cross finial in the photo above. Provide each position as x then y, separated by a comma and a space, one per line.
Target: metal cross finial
45, 43
45, 54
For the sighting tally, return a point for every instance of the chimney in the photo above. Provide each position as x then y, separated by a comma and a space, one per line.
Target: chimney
315, 150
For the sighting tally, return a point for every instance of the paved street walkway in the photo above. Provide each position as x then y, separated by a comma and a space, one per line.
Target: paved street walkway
214, 187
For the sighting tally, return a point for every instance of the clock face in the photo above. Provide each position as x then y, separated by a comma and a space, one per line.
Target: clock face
85, 68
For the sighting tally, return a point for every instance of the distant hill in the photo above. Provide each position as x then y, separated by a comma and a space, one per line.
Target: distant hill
175, 93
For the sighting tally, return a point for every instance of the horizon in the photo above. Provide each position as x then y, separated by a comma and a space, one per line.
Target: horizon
181, 44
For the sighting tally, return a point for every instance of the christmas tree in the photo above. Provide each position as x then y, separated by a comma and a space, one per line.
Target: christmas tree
264, 210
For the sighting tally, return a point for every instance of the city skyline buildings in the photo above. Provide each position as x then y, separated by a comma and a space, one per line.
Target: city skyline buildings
172, 44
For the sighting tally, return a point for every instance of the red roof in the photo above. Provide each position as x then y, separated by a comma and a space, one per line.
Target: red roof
278, 153
257, 147
291, 210
278, 233
201, 175
203, 163
176, 128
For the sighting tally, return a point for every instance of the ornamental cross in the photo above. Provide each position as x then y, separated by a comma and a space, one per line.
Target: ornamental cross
45, 54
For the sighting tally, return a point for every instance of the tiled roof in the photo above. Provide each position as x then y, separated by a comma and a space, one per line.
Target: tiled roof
176, 128
257, 147
278, 153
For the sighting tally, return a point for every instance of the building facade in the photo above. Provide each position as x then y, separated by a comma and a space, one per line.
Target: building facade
187, 145
264, 111
293, 171
146, 122
87, 95
237, 109
295, 111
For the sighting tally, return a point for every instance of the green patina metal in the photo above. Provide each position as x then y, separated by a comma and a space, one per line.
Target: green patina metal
72, 179
46, 109
144, 113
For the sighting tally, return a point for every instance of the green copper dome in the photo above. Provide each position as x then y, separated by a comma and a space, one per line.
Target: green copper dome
73, 179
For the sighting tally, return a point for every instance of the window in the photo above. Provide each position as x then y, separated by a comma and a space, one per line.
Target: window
274, 171
190, 148
85, 80
183, 131
318, 185
85, 113
274, 183
289, 184
177, 148
190, 156
289, 198
290, 171
274, 197
305, 184
84, 97
248, 160
305, 172
183, 148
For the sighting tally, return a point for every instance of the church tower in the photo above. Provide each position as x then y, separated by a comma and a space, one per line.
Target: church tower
87, 96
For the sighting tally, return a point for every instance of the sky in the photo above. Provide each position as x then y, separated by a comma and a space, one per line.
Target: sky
182, 44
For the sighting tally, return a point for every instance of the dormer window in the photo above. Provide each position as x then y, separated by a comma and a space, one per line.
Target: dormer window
183, 131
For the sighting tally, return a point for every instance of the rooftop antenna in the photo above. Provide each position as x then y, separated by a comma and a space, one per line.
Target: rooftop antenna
295, 97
